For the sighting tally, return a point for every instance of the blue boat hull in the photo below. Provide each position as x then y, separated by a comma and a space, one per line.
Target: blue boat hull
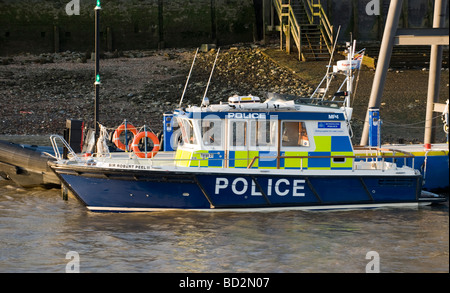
435, 171
148, 190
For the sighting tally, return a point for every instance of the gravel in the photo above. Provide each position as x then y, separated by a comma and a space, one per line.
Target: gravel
39, 92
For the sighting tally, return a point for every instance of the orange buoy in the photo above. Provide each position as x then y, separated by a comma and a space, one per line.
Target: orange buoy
137, 139
118, 132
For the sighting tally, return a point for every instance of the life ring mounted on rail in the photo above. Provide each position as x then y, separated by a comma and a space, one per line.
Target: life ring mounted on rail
118, 132
136, 141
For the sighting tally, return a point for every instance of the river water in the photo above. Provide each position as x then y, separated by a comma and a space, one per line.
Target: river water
38, 230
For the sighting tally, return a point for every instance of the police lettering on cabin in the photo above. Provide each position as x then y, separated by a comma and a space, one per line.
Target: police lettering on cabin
246, 116
241, 186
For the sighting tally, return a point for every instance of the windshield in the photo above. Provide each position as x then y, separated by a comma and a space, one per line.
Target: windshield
187, 131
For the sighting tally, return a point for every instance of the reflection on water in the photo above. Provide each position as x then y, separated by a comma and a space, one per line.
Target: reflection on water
38, 228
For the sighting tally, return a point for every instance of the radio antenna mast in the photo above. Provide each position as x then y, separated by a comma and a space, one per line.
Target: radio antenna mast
210, 76
187, 81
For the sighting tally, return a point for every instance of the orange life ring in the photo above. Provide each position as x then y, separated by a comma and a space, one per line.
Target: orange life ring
137, 139
118, 132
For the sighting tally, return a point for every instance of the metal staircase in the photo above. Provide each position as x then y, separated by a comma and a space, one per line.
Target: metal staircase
305, 24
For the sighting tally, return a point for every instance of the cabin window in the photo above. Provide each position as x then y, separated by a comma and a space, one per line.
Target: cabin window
238, 134
211, 132
263, 133
187, 131
294, 134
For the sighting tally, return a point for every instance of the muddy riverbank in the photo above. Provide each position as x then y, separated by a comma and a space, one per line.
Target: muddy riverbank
39, 92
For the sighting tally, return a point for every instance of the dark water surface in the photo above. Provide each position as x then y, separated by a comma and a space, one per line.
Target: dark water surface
38, 229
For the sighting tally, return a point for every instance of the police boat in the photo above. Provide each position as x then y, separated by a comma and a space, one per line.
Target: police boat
244, 154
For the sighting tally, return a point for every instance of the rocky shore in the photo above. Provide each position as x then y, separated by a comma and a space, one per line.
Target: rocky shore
39, 92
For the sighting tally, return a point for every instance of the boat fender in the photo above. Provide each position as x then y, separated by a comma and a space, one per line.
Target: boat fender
160, 136
137, 139
424, 167
118, 132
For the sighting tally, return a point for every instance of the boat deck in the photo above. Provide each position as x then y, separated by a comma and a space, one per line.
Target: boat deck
418, 149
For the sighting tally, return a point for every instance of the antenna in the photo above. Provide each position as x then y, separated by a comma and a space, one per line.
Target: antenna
334, 48
327, 76
331, 57
351, 54
210, 76
187, 81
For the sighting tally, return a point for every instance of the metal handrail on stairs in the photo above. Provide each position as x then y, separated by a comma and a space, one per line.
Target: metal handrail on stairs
295, 29
284, 9
316, 10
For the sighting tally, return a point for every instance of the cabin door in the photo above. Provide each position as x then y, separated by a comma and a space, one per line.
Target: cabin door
238, 143
252, 138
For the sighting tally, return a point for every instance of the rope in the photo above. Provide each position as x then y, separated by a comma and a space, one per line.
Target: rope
410, 125
139, 129
394, 124
356, 86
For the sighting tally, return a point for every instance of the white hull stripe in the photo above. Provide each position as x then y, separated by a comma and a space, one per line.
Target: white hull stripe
265, 209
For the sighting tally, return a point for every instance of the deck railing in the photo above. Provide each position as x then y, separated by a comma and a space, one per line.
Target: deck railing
375, 156
373, 159
381, 155
57, 153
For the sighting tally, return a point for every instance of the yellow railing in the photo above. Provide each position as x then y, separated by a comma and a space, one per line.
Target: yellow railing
294, 27
316, 10
284, 9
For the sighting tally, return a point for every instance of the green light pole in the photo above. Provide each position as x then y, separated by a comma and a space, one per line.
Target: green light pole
97, 69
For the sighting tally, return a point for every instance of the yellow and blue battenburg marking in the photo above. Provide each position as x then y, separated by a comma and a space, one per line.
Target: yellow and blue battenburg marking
326, 146
327, 138
200, 158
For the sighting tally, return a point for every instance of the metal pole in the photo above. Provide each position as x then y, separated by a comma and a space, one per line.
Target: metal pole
435, 75
210, 76
447, 122
384, 59
97, 69
126, 136
187, 81
349, 73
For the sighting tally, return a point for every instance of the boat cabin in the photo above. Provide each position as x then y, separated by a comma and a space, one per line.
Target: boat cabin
246, 133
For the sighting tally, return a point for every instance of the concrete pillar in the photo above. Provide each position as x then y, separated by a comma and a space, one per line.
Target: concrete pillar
384, 59
435, 74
